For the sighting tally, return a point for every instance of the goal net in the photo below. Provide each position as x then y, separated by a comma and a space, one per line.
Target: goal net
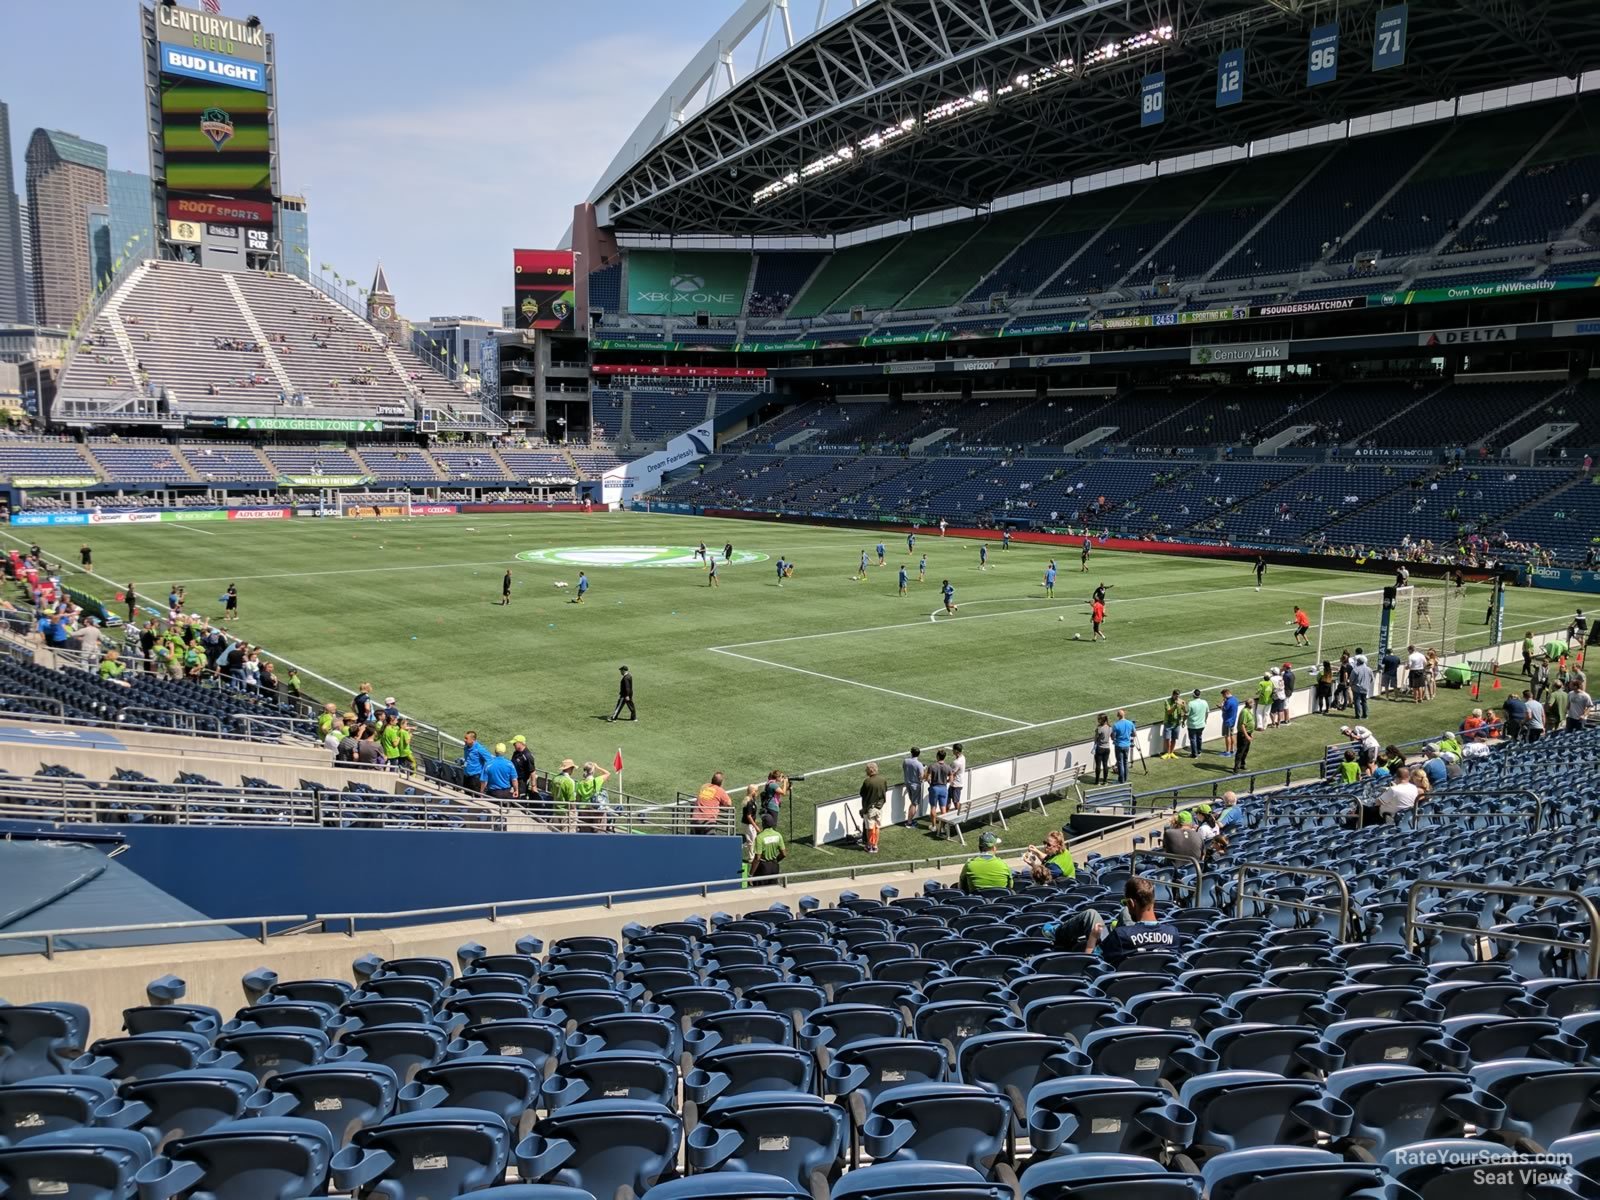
1426, 615
375, 505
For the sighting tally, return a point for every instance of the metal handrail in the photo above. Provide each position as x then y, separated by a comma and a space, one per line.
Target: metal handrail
1504, 889
1188, 859
50, 935
59, 713
1342, 912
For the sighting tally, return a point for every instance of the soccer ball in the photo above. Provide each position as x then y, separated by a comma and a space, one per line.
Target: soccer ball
1061, 618
1077, 637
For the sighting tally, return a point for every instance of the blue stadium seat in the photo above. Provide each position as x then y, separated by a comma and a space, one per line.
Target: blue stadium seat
612, 1074
40, 1039
49, 1103
344, 1097
420, 1155
1104, 1114
175, 1105
1396, 1105
507, 1087
801, 1138
83, 1164
242, 1160
1106, 1177
940, 1122
602, 1145
917, 1181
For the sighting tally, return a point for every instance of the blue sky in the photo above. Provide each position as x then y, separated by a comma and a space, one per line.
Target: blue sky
434, 135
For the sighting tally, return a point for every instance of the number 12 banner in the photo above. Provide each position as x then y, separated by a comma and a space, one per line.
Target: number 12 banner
1230, 77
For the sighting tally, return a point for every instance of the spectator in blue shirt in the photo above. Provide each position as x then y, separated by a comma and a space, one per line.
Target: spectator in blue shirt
1230, 714
499, 776
474, 762
1435, 768
1122, 734
1232, 816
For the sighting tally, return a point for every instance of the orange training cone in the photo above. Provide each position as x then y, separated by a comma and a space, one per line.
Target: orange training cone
1474, 690
1496, 684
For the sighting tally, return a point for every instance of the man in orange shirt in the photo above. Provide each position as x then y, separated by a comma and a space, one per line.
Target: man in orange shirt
1097, 614
1302, 627
708, 806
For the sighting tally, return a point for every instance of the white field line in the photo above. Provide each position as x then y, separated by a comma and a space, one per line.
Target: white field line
871, 687
187, 528
1042, 606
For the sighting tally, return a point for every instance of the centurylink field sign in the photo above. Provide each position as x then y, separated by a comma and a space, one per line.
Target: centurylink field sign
630, 556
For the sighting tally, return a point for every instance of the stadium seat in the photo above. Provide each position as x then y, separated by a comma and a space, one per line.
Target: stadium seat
84, 1164
49, 1103
257, 1156
602, 1145
419, 1155
40, 1039
801, 1138
343, 1097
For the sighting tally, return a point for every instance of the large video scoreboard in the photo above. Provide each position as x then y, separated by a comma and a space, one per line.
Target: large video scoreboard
213, 132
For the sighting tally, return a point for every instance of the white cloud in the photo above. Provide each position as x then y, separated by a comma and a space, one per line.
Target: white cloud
442, 191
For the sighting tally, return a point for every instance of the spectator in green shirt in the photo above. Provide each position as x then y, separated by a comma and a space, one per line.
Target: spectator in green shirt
768, 853
111, 667
1349, 769
564, 796
389, 736
1053, 863
591, 791
985, 869
325, 718
1196, 713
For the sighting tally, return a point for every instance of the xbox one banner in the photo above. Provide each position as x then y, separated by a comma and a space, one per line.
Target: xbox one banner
621, 485
684, 282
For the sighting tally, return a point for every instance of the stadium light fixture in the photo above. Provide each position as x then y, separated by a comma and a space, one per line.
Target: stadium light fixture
958, 106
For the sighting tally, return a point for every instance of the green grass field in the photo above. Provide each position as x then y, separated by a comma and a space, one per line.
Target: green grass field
815, 678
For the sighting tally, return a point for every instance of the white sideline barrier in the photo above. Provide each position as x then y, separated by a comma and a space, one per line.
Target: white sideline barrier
837, 820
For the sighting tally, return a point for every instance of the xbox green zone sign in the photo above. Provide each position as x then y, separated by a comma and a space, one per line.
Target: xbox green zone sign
629, 556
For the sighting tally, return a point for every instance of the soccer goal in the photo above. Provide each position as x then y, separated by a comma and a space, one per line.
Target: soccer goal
375, 505
1425, 615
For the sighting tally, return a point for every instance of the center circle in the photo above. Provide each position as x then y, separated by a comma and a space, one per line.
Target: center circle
632, 556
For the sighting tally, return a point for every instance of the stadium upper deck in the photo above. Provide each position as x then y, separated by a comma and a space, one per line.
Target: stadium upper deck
890, 110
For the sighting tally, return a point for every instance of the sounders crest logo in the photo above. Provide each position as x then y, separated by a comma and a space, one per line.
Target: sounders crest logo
630, 556
217, 125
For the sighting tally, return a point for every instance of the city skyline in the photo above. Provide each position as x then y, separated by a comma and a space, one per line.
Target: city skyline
438, 164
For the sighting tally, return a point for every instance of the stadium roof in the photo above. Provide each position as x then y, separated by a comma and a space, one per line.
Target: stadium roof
900, 107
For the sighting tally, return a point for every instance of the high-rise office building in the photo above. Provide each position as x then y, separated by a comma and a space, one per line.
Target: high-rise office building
66, 178
294, 227
120, 230
14, 304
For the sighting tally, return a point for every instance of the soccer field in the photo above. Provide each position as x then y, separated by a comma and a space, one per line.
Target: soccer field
816, 677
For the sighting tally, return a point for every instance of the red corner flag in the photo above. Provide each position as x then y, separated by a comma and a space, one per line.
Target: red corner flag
616, 763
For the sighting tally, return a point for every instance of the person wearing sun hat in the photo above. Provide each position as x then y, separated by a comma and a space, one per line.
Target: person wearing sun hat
985, 869
564, 796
